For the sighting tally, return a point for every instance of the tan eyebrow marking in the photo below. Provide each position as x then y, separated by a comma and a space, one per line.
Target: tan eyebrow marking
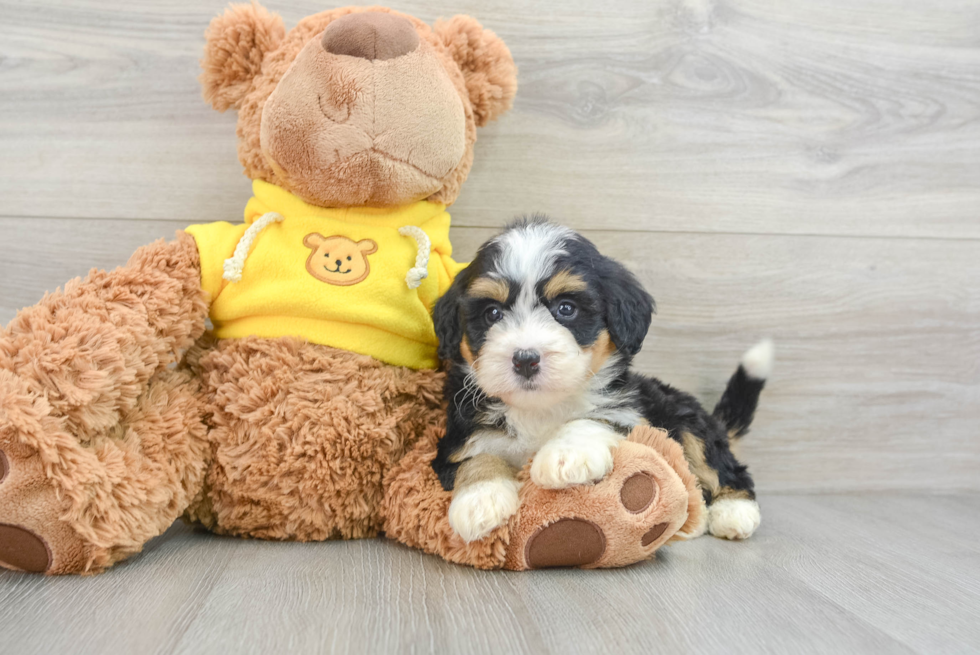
488, 287
564, 282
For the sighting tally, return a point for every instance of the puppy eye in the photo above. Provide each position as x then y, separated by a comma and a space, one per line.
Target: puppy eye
566, 309
326, 254
348, 257
493, 314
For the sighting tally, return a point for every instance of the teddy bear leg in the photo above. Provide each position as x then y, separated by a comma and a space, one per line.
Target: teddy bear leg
74, 506
416, 510
99, 441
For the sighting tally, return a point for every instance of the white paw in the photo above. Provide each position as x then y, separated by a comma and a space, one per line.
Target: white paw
733, 518
558, 465
481, 508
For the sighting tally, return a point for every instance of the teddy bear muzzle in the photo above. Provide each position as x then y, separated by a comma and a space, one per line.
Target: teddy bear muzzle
370, 35
333, 143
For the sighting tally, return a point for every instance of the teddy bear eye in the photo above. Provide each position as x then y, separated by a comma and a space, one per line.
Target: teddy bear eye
326, 254
348, 257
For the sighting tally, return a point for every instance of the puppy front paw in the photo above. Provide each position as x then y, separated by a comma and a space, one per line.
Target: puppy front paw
482, 507
559, 464
733, 518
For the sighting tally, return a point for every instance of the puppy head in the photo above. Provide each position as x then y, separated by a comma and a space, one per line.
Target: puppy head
539, 312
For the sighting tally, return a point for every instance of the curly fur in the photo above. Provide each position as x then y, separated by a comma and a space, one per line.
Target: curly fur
235, 44
91, 349
88, 398
489, 70
302, 437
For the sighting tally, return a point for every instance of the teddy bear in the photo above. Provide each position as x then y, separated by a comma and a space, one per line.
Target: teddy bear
311, 408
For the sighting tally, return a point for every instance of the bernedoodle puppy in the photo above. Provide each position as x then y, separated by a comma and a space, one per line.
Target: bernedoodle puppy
540, 330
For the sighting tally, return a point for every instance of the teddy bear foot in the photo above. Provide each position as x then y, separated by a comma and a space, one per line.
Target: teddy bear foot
70, 505
620, 520
32, 536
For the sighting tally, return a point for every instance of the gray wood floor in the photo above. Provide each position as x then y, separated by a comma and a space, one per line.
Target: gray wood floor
882, 573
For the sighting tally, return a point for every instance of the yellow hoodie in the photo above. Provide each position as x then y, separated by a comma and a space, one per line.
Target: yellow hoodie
338, 277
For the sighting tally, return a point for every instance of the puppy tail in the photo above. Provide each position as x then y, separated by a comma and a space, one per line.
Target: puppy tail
737, 405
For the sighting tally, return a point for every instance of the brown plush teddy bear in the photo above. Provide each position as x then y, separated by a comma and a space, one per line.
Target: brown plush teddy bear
312, 409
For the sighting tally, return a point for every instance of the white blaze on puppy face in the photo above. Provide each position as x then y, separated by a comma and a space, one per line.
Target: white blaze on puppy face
564, 366
528, 254
527, 257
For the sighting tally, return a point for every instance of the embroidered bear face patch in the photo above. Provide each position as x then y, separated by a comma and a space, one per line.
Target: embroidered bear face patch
337, 259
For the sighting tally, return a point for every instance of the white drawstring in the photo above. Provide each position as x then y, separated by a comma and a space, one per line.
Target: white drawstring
234, 264
421, 270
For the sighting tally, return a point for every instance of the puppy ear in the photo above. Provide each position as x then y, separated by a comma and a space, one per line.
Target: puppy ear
236, 43
487, 65
629, 308
367, 246
448, 318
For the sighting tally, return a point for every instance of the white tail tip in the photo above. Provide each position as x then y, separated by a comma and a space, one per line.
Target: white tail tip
757, 360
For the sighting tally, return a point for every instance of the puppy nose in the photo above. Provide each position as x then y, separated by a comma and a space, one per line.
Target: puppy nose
370, 35
339, 262
526, 363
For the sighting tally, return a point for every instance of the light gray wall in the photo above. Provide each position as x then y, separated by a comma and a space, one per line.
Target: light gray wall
808, 171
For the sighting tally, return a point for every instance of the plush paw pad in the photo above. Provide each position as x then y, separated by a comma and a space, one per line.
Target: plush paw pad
22, 550
653, 534
481, 508
32, 537
566, 542
733, 518
638, 492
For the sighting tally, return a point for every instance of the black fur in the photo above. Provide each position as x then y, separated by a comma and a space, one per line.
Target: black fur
445, 317
678, 412
462, 420
737, 405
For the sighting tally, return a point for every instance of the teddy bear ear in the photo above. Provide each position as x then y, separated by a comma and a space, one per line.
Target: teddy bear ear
489, 70
236, 43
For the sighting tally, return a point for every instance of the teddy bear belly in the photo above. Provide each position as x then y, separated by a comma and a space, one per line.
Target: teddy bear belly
303, 435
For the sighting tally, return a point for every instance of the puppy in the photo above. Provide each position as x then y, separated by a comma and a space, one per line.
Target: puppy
539, 331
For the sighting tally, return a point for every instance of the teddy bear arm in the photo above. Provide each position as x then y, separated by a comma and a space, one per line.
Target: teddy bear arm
91, 348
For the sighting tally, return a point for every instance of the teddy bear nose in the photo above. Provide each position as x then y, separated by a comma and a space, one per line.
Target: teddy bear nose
370, 35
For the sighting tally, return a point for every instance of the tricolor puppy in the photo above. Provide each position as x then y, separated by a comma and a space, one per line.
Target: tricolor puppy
539, 330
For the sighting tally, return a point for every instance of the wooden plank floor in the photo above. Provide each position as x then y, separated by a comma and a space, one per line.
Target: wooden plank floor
895, 573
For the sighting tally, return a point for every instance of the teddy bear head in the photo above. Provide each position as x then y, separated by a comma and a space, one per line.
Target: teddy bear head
357, 106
